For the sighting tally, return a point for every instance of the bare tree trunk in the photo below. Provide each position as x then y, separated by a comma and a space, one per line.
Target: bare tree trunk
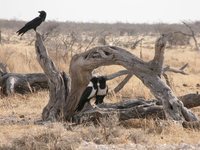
83, 64
58, 83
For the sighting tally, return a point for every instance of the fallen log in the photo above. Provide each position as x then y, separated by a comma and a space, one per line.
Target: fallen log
22, 83
190, 100
136, 108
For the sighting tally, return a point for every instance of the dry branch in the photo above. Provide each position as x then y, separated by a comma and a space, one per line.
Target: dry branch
192, 34
135, 44
175, 70
122, 83
117, 74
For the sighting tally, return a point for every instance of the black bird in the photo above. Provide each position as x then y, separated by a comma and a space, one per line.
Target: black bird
102, 90
88, 93
33, 24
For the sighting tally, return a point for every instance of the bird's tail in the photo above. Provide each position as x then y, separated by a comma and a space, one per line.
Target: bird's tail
21, 31
79, 107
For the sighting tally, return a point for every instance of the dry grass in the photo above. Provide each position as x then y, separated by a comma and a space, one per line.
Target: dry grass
18, 130
18, 113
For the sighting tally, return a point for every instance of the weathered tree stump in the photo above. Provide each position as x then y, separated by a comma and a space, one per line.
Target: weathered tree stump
63, 101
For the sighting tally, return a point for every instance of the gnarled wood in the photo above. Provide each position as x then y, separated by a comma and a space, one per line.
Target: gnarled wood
147, 72
83, 64
137, 108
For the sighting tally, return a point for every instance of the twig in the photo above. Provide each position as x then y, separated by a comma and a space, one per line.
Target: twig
122, 83
180, 70
117, 74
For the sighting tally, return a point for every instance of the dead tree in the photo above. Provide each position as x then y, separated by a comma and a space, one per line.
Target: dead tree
191, 34
64, 98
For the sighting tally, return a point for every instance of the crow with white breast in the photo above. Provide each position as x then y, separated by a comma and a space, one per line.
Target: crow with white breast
102, 90
88, 93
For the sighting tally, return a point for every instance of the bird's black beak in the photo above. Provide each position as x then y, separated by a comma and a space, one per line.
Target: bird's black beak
39, 11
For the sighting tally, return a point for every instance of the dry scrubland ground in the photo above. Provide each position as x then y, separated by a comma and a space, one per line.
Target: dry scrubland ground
19, 112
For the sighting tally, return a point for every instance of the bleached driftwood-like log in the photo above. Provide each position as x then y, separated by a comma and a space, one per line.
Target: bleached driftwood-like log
11, 83
83, 64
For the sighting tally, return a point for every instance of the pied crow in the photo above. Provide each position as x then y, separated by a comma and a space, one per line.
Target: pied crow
88, 93
102, 90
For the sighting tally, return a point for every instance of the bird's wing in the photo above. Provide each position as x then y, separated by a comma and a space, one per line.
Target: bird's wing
30, 25
84, 98
33, 23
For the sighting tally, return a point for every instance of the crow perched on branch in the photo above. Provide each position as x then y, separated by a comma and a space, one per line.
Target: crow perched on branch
33, 24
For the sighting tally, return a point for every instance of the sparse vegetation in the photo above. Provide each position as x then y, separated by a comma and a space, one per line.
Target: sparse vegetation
19, 114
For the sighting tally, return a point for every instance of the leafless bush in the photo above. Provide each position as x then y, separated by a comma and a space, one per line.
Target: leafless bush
176, 39
119, 29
